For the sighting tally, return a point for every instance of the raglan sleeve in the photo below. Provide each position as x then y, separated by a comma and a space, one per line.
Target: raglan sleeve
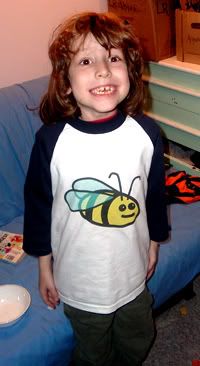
38, 201
156, 199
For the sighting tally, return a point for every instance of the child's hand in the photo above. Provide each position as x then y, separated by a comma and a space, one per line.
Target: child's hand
153, 258
47, 287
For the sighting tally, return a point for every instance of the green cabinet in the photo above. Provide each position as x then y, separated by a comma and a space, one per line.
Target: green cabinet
172, 98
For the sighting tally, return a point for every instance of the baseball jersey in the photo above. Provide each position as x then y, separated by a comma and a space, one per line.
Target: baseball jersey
94, 197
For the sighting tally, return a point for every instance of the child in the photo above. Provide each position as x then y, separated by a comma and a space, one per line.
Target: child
94, 192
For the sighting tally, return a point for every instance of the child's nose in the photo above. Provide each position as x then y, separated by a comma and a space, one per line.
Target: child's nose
103, 70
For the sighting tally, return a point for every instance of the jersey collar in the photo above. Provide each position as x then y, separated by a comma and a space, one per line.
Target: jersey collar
95, 127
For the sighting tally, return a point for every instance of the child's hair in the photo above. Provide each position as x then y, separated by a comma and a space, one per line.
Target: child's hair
111, 32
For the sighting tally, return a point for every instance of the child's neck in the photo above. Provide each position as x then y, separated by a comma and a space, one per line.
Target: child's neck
103, 120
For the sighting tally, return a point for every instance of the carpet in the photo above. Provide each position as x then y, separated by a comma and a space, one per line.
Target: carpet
177, 341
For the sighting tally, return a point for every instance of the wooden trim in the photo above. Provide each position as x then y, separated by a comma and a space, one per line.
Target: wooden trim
174, 124
164, 84
180, 164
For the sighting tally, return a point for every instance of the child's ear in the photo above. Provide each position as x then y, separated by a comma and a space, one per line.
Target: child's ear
69, 90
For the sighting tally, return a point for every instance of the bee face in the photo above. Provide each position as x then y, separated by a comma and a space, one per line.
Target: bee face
123, 211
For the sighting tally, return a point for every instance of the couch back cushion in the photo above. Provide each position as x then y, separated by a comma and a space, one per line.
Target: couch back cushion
18, 125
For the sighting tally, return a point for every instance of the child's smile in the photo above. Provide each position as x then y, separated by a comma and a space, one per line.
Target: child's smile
103, 90
98, 77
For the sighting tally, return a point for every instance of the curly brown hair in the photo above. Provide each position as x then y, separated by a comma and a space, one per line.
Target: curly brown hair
111, 32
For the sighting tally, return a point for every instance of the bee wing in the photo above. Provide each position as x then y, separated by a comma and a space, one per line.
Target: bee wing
90, 185
83, 200
75, 198
87, 193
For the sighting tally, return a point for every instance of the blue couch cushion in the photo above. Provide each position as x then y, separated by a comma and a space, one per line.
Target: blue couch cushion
17, 130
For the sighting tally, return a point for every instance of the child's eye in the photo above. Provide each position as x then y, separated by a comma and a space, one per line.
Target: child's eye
114, 58
85, 61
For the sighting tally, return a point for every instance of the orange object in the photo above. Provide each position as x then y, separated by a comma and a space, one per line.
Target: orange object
182, 187
183, 310
195, 362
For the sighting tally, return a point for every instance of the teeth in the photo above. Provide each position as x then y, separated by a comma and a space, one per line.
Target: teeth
103, 90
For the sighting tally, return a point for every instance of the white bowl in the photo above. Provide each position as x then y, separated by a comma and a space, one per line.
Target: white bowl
14, 302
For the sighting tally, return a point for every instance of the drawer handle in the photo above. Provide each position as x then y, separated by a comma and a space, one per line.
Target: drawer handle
195, 25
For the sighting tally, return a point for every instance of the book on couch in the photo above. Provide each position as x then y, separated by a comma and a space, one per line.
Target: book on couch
11, 247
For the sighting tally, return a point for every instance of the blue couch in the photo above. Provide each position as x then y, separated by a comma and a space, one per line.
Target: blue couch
17, 129
45, 337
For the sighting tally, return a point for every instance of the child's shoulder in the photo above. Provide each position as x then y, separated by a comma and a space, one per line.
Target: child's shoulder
147, 122
47, 136
51, 131
149, 125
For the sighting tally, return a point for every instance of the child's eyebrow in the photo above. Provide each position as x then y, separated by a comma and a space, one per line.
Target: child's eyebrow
93, 19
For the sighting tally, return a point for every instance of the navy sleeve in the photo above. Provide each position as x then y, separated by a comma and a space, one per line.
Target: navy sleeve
38, 193
156, 199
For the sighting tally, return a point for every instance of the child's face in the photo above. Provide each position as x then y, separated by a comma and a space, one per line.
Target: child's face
99, 80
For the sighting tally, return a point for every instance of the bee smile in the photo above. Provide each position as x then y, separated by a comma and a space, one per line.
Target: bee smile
103, 90
125, 216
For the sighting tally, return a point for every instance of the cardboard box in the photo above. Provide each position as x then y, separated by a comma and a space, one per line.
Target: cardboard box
153, 22
188, 36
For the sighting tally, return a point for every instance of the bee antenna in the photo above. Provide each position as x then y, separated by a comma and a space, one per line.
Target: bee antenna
120, 186
138, 177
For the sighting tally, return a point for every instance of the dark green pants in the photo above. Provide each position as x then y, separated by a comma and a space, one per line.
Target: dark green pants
122, 337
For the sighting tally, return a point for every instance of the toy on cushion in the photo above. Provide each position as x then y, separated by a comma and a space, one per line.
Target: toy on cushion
182, 187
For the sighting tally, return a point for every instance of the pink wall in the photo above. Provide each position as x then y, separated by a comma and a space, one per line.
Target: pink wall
26, 26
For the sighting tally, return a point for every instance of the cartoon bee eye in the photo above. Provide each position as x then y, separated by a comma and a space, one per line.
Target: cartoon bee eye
131, 206
122, 208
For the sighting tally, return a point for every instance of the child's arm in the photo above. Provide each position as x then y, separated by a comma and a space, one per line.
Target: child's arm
153, 258
47, 287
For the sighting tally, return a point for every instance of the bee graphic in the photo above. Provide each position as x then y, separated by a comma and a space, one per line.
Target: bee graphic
102, 204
